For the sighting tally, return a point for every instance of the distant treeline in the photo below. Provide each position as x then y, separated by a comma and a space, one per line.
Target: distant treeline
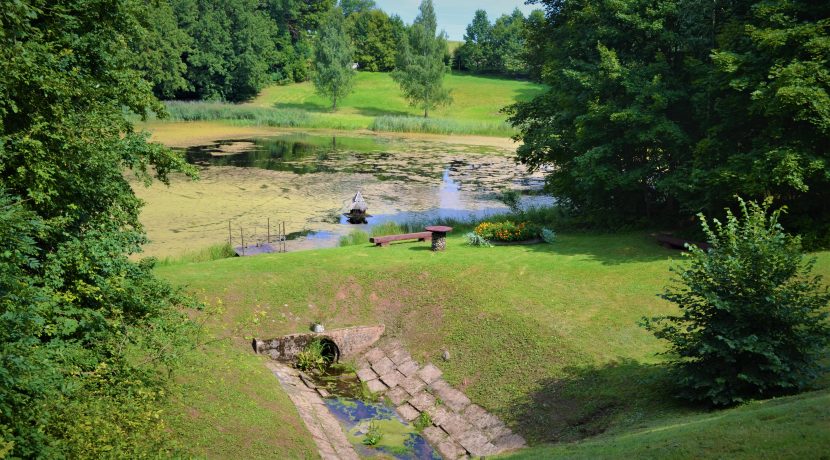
231, 49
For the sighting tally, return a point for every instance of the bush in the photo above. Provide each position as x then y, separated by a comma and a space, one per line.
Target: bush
312, 358
474, 239
753, 320
507, 231
548, 235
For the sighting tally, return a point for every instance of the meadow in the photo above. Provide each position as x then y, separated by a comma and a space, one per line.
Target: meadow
376, 104
544, 336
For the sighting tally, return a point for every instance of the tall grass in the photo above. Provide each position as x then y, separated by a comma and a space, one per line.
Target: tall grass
259, 116
354, 238
440, 126
215, 252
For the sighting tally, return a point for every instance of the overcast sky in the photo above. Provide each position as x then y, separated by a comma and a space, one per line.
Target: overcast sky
454, 15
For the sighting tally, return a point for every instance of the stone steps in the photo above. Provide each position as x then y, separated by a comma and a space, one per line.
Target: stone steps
460, 428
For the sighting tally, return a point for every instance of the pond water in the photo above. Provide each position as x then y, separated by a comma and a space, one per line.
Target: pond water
308, 180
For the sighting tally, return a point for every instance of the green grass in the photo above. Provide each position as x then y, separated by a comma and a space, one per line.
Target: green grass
376, 104
215, 252
545, 336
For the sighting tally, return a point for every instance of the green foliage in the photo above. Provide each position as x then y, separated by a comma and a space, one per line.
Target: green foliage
420, 69
476, 240
83, 328
333, 53
354, 238
753, 319
507, 231
512, 199
658, 110
215, 252
423, 421
234, 43
495, 48
373, 435
311, 357
375, 37
548, 235
387, 228
439, 126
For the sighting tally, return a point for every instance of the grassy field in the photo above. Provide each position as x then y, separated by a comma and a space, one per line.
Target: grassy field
545, 336
375, 104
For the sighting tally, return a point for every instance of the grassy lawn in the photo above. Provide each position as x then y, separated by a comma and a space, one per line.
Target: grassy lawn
544, 336
375, 104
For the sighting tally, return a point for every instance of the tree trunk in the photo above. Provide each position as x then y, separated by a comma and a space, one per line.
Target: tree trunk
334, 104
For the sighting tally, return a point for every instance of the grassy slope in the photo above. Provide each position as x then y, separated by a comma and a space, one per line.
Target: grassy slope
544, 336
477, 102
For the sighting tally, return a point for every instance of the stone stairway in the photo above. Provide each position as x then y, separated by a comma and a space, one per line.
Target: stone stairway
460, 428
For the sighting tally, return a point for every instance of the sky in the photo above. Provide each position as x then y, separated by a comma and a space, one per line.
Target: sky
454, 15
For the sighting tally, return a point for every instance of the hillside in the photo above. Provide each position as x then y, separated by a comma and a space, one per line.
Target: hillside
544, 336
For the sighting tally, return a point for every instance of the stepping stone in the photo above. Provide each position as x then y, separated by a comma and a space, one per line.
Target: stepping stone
510, 441
323, 393
366, 374
383, 366
451, 397
392, 346
497, 431
374, 355
408, 412
413, 385
479, 417
375, 386
429, 373
476, 443
439, 414
456, 426
398, 396
408, 368
399, 356
422, 401
392, 379
450, 449
434, 435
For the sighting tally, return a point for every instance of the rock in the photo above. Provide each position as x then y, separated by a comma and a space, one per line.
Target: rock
446, 355
366, 374
408, 368
422, 401
392, 378
375, 386
413, 385
383, 366
398, 396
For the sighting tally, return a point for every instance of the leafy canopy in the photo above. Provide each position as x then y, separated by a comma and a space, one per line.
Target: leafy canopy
753, 319
420, 70
333, 58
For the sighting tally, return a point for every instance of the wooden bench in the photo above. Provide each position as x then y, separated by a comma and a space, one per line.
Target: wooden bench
385, 240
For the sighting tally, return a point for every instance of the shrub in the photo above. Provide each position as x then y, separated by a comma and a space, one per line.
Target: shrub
474, 239
548, 235
753, 320
423, 421
507, 231
512, 199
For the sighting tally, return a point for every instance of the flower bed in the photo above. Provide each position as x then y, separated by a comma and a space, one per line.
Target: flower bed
507, 231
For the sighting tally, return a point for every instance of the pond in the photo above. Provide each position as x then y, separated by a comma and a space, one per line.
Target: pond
307, 181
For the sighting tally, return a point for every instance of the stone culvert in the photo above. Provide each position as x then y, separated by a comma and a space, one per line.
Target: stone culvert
341, 343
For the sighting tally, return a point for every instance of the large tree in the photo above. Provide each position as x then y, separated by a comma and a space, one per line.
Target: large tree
659, 110
333, 59
81, 325
476, 52
373, 34
421, 68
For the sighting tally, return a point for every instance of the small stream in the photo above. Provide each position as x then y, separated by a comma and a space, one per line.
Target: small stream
400, 439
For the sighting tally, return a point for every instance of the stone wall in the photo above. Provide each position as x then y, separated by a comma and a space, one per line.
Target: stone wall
351, 342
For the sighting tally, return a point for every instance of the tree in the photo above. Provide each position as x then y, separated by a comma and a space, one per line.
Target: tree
658, 110
420, 70
753, 319
333, 58
507, 44
351, 7
373, 35
534, 34
234, 43
83, 329
476, 52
